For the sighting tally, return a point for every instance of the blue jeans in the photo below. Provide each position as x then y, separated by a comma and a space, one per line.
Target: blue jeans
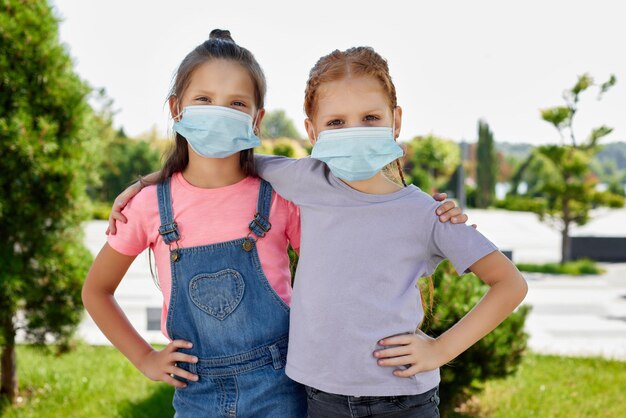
327, 405
253, 385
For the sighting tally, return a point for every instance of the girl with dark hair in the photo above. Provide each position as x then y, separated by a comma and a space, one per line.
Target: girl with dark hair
219, 236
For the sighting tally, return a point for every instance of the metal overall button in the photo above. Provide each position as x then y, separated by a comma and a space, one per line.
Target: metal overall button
248, 243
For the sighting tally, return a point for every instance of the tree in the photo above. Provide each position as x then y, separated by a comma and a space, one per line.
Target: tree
569, 189
47, 157
430, 161
486, 166
126, 160
276, 124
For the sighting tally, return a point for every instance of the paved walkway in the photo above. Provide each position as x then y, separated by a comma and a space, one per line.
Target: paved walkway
571, 315
578, 315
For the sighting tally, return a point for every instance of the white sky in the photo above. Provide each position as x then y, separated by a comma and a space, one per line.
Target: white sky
452, 61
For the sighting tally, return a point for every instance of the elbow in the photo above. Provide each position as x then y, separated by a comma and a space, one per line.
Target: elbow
85, 293
89, 291
521, 289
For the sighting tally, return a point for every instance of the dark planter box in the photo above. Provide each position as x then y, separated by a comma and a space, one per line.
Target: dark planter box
611, 249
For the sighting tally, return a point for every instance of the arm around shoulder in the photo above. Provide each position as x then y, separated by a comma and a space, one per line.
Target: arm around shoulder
286, 175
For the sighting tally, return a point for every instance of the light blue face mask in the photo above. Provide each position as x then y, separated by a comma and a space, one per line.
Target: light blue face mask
354, 154
216, 131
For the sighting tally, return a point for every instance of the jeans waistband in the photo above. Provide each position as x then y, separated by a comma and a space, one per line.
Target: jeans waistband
274, 353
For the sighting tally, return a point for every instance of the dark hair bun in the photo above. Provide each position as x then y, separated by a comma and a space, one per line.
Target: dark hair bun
221, 34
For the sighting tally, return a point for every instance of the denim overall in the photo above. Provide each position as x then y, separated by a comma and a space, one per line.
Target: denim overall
222, 302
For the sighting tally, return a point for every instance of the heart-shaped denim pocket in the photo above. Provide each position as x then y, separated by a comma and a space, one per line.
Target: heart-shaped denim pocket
217, 294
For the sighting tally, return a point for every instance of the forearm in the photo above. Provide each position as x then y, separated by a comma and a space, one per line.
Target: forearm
150, 178
507, 290
105, 274
497, 304
114, 324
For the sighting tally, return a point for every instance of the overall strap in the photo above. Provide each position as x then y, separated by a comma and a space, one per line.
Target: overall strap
168, 228
260, 225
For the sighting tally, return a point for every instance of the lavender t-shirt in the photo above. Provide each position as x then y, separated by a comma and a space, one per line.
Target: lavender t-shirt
360, 258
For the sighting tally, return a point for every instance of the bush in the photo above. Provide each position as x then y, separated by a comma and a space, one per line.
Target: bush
522, 203
100, 211
496, 355
574, 268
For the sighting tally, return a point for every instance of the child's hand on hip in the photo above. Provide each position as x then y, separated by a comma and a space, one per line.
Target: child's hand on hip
161, 365
417, 352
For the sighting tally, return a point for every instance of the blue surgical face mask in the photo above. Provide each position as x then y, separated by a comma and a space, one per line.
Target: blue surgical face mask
216, 131
354, 154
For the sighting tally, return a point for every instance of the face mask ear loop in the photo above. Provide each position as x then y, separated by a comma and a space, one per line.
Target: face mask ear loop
256, 130
393, 133
393, 126
179, 114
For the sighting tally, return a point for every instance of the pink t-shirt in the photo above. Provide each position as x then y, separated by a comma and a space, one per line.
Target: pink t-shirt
209, 216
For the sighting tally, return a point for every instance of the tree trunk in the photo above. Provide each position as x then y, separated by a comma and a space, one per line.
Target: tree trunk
565, 244
8, 388
567, 220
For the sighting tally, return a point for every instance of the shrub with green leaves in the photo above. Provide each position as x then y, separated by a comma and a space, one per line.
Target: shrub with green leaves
48, 153
496, 355
573, 268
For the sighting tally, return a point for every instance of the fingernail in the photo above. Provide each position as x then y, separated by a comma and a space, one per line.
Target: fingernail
189, 345
376, 354
380, 362
195, 359
438, 212
381, 342
454, 219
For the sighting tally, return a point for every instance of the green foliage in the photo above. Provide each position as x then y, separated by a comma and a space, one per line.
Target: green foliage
486, 166
276, 124
611, 198
430, 161
522, 204
573, 268
100, 210
496, 355
566, 183
126, 160
48, 151
286, 147
558, 116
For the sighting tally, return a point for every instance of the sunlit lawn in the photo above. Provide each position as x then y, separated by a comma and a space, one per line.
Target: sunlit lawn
91, 381
551, 386
99, 382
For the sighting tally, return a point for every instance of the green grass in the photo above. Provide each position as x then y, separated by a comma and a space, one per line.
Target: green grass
100, 382
87, 382
555, 387
574, 268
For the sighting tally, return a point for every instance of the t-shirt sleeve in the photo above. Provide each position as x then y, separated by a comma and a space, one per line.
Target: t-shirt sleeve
293, 225
133, 237
287, 176
460, 243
